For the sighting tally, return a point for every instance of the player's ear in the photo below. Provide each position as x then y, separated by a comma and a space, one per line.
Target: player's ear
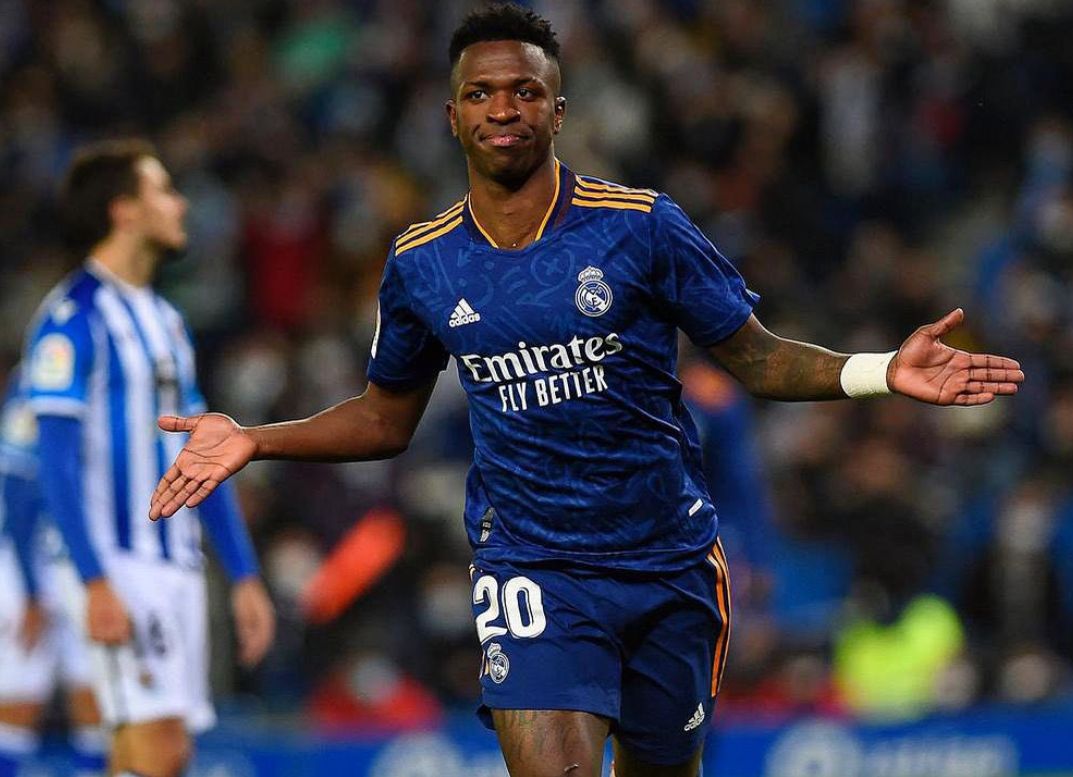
122, 211
452, 116
560, 114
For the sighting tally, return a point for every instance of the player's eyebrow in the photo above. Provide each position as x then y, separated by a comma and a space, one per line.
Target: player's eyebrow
483, 83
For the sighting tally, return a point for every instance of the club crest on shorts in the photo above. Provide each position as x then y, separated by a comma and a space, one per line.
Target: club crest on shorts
498, 663
593, 296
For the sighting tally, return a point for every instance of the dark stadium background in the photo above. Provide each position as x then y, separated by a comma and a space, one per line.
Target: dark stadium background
903, 572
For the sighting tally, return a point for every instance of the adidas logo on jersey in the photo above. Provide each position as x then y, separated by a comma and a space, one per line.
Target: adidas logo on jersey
696, 720
463, 314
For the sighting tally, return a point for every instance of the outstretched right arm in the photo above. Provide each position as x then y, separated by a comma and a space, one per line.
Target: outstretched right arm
376, 425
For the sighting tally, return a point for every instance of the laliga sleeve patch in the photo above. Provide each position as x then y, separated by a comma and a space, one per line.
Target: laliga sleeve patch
19, 426
53, 367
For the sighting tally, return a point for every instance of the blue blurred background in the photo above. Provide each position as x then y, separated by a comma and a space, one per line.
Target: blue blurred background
899, 571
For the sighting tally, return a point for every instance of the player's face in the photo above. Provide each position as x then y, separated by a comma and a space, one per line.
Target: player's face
506, 108
161, 210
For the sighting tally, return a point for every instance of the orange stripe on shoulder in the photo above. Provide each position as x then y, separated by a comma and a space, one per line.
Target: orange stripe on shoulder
613, 204
428, 237
605, 186
629, 196
425, 226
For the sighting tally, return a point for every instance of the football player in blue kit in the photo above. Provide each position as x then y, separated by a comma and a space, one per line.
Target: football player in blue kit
600, 588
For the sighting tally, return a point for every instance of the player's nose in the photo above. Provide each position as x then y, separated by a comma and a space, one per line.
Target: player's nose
502, 110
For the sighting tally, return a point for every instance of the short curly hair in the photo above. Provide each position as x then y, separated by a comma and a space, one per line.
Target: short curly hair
504, 21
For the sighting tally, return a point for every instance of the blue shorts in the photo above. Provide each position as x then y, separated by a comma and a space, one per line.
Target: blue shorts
643, 649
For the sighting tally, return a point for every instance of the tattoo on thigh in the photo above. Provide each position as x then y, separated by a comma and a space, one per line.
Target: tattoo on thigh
532, 737
521, 733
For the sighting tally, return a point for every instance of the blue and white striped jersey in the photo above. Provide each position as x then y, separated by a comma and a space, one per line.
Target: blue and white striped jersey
115, 357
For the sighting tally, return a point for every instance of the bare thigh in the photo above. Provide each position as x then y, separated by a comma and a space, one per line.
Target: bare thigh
627, 764
551, 743
157, 748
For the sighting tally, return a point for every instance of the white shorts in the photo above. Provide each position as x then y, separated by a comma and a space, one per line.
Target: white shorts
59, 658
163, 672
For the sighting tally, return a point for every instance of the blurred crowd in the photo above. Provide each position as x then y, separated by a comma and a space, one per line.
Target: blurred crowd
867, 164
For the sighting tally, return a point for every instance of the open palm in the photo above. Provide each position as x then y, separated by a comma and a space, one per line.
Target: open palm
217, 449
926, 369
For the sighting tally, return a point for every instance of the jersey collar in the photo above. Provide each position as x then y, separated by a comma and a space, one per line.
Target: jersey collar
552, 217
96, 268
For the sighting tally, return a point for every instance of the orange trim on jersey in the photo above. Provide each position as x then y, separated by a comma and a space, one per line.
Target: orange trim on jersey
595, 195
428, 236
612, 187
717, 558
543, 221
412, 231
616, 204
551, 206
476, 223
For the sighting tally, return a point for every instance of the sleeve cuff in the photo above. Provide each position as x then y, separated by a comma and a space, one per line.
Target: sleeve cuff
68, 407
732, 324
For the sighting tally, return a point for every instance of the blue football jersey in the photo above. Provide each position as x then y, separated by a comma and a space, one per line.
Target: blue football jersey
567, 351
116, 357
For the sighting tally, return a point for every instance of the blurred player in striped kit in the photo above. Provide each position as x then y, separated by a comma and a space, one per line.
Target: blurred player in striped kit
39, 646
106, 355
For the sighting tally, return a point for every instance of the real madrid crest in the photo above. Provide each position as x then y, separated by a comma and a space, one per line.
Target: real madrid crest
593, 296
498, 663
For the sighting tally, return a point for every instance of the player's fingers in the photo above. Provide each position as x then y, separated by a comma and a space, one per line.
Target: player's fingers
989, 387
996, 374
991, 361
175, 423
111, 632
250, 642
257, 638
969, 400
172, 483
201, 493
166, 480
192, 486
169, 494
167, 485
946, 323
176, 498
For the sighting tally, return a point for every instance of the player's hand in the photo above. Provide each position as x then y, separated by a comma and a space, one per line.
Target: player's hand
255, 620
107, 620
926, 369
32, 626
217, 449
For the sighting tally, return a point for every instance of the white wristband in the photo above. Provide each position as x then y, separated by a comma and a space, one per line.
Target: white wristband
865, 374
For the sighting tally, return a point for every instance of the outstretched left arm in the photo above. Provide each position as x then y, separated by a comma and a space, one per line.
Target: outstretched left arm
923, 368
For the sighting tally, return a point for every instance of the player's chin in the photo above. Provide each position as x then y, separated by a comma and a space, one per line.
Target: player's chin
173, 244
512, 162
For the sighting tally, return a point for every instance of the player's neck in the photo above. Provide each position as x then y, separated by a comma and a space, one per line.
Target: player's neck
512, 215
131, 263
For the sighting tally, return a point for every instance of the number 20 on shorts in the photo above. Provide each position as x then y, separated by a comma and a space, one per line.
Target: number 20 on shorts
522, 605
